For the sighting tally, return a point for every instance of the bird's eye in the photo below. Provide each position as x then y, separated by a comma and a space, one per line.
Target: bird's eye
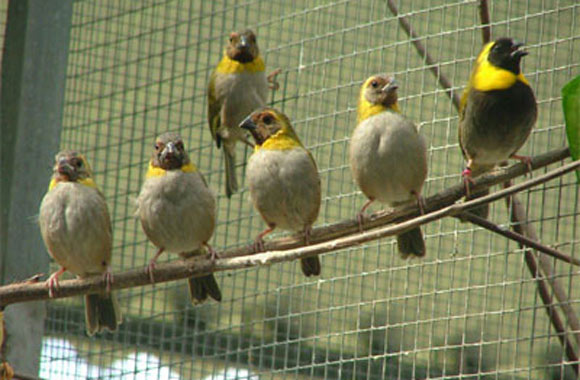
179, 144
79, 163
267, 119
375, 84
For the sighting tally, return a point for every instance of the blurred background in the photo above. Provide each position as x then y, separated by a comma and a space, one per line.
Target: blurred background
469, 309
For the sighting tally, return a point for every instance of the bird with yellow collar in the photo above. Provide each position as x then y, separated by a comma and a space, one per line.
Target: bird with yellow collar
497, 112
283, 179
237, 86
76, 229
178, 211
388, 156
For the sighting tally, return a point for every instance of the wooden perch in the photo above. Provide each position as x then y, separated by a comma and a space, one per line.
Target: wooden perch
325, 239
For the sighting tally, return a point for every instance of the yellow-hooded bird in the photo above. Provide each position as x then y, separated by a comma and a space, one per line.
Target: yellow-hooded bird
76, 229
237, 86
388, 156
283, 179
178, 211
497, 112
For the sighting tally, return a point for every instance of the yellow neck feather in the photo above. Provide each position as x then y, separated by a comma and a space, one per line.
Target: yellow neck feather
279, 141
487, 77
154, 171
229, 66
85, 181
367, 109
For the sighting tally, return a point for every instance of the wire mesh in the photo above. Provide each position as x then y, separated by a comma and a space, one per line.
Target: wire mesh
469, 309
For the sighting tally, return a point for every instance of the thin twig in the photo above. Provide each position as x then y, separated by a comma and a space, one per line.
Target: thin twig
522, 240
432, 63
199, 266
485, 21
518, 218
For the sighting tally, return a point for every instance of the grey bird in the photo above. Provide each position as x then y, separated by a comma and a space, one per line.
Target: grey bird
283, 179
388, 156
76, 229
178, 211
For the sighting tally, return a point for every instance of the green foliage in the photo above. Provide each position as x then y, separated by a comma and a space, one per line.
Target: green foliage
571, 105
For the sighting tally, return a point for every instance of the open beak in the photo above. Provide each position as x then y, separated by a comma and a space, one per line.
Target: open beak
516, 52
392, 86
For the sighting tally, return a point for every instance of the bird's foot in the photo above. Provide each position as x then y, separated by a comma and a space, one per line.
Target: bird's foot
52, 282
527, 160
273, 83
467, 180
108, 279
212, 253
420, 202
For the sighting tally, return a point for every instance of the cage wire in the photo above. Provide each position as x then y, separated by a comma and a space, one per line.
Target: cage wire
469, 309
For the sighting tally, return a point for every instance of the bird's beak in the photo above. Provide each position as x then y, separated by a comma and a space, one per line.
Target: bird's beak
248, 124
516, 53
392, 86
243, 43
65, 168
168, 151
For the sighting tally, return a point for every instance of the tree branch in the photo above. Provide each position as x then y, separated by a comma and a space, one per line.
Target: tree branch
485, 21
521, 239
181, 269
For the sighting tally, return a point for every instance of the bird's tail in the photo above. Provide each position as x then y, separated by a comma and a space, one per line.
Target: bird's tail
230, 161
310, 266
102, 311
202, 287
411, 243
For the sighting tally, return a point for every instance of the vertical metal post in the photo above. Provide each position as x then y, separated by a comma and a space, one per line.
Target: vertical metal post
31, 99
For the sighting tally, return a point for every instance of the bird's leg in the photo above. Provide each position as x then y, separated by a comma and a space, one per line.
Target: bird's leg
467, 179
361, 214
307, 233
259, 243
274, 85
212, 253
52, 282
149, 268
108, 279
524, 160
420, 201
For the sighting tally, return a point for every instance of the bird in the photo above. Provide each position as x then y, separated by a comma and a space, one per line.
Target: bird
177, 211
497, 112
388, 155
76, 228
283, 179
237, 86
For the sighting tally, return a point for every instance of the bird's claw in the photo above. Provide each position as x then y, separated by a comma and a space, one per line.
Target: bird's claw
108, 279
527, 160
52, 282
212, 253
259, 245
273, 83
149, 270
360, 219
